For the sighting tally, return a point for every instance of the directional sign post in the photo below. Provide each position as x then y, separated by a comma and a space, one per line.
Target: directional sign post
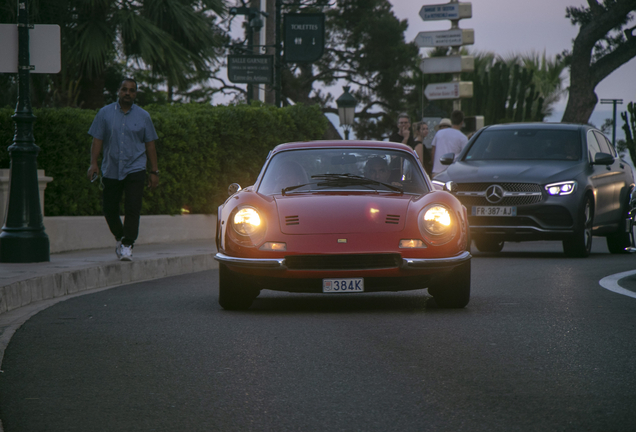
454, 37
455, 63
448, 64
448, 11
450, 90
250, 69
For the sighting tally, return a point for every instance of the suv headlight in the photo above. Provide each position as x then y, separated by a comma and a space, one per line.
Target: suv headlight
561, 188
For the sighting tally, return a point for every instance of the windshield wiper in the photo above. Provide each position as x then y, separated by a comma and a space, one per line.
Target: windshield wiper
342, 180
350, 179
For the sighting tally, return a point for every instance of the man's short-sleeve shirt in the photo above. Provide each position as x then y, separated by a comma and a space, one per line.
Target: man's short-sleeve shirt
125, 136
447, 141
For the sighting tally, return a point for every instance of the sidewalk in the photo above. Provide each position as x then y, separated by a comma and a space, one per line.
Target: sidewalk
73, 272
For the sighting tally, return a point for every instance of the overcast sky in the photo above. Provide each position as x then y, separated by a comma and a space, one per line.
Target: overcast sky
522, 26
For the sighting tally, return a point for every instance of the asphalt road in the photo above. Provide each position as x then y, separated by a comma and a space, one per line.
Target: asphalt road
541, 347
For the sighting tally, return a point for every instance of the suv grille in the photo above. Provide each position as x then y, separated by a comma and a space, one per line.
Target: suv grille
473, 194
343, 262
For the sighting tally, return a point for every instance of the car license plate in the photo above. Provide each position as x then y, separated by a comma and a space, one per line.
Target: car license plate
494, 211
343, 285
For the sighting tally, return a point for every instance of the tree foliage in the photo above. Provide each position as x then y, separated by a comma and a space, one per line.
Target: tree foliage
102, 40
365, 47
601, 46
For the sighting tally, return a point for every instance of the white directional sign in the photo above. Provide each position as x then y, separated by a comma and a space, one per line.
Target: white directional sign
448, 11
454, 37
448, 64
450, 90
44, 48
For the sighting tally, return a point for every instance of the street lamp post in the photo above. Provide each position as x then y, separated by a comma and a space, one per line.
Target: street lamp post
346, 110
23, 239
613, 102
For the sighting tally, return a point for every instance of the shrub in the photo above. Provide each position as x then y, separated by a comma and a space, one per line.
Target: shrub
201, 150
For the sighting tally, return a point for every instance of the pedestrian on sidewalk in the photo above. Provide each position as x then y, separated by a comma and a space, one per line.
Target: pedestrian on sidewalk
448, 139
125, 133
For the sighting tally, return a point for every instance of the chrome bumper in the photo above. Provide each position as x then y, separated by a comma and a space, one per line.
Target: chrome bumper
408, 263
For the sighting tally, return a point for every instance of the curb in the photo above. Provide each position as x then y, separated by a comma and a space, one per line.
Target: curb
25, 292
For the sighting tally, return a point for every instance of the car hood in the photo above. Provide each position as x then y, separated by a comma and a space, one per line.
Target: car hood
510, 171
341, 214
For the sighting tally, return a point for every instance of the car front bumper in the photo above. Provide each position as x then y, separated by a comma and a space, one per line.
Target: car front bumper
445, 263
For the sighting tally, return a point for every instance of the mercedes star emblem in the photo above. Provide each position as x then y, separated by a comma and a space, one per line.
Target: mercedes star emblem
494, 194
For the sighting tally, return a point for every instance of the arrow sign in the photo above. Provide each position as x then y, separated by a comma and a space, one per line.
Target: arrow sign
451, 90
448, 64
454, 37
448, 11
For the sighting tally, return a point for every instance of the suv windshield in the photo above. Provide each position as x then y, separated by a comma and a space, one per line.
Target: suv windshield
526, 144
317, 170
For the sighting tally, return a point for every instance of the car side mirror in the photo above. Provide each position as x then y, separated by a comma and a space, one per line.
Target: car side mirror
447, 159
233, 188
603, 159
450, 186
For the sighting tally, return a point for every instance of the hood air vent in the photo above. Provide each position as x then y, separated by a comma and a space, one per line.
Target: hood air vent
393, 219
292, 220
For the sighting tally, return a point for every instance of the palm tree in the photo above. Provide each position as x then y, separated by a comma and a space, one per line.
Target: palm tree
175, 39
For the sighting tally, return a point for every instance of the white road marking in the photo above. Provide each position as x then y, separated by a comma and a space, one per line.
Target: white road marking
611, 283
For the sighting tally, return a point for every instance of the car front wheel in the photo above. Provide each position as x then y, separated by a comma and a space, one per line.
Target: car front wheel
453, 290
580, 244
234, 290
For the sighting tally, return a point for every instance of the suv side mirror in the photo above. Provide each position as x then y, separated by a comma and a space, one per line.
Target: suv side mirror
447, 159
603, 159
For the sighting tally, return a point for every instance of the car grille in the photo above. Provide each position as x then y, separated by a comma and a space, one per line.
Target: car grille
343, 262
468, 201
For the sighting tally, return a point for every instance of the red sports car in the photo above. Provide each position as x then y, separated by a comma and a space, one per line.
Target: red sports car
340, 217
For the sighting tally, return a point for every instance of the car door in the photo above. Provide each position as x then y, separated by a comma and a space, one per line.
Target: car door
620, 177
602, 179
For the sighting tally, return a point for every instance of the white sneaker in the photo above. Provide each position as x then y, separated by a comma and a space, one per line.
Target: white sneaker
126, 253
118, 249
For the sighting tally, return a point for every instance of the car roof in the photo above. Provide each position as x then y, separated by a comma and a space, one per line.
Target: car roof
342, 144
563, 126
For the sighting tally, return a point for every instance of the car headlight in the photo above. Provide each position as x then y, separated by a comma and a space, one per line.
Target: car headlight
246, 221
561, 188
437, 224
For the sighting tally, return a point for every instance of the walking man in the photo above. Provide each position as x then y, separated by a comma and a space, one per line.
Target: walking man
448, 140
127, 136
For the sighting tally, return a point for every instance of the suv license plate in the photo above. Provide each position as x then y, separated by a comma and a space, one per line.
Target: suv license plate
343, 285
494, 211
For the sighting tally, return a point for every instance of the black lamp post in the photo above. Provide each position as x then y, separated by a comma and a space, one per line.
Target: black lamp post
613, 102
346, 110
23, 239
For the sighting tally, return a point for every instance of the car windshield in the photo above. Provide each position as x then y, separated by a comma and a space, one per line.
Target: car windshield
526, 144
318, 170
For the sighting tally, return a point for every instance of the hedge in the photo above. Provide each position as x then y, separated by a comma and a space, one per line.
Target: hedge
201, 150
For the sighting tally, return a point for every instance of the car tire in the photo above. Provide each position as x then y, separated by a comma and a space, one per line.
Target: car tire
580, 244
620, 240
453, 291
489, 245
233, 292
